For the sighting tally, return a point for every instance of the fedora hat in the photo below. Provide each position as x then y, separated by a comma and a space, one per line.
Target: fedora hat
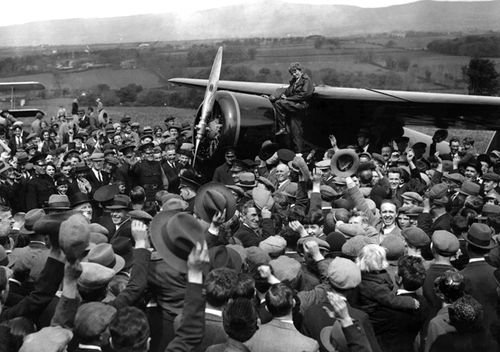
174, 235
50, 224
479, 235
268, 151
97, 157
223, 257
348, 158
236, 190
246, 180
58, 202
190, 179
74, 237
262, 197
30, 219
212, 198
81, 168
120, 201
98, 233
266, 182
106, 193
79, 198
104, 254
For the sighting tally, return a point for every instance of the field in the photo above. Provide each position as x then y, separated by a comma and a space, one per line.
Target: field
360, 57
115, 78
149, 115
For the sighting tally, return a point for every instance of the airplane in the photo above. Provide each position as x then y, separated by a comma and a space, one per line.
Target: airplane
11, 88
237, 114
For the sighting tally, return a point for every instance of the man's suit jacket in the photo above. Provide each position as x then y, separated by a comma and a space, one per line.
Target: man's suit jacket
172, 174
94, 182
214, 331
46, 287
124, 230
480, 284
280, 336
223, 175
13, 145
249, 237
287, 187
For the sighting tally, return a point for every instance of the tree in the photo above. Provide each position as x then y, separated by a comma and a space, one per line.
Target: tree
129, 93
481, 76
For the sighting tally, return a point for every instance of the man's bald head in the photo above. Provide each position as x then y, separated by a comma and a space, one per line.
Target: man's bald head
282, 172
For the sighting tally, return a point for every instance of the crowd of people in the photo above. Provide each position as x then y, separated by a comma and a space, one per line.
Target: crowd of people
111, 241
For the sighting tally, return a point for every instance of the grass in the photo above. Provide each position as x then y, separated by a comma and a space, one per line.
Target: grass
115, 78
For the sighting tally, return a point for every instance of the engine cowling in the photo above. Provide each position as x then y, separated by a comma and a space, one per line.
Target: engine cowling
237, 119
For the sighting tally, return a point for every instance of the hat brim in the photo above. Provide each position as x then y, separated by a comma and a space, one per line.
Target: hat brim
326, 338
246, 185
119, 263
158, 229
351, 170
56, 208
24, 231
116, 207
490, 246
219, 187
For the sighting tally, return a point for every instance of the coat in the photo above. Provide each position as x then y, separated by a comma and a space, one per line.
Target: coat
32, 257
250, 238
480, 283
223, 174
316, 319
280, 336
38, 191
172, 174
376, 290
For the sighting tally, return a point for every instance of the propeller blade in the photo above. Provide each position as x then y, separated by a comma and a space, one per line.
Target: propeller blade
208, 100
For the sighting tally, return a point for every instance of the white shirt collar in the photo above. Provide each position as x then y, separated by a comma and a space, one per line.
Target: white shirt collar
213, 311
402, 291
472, 260
89, 347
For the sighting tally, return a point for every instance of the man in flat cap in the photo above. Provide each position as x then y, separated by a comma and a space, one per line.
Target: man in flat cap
291, 103
490, 185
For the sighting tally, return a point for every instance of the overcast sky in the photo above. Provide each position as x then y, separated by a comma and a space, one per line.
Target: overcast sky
37, 10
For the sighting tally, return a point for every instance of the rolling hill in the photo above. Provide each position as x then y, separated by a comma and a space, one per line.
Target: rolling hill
263, 19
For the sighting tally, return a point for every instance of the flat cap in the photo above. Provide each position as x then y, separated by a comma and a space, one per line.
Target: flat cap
285, 268
445, 243
413, 196
394, 247
454, 176
415, 237
355, 244
344, 273
491, 176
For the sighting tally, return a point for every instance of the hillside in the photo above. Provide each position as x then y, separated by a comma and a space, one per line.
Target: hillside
266, 19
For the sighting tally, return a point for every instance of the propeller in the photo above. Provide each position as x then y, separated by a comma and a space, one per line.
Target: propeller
208, 101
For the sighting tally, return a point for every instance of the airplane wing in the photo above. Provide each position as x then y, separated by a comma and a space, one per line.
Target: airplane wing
18, 86
416, 108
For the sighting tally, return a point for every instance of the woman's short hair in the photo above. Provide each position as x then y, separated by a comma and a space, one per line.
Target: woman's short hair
372, 258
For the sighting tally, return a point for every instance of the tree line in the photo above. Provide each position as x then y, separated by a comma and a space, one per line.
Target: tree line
471, 45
